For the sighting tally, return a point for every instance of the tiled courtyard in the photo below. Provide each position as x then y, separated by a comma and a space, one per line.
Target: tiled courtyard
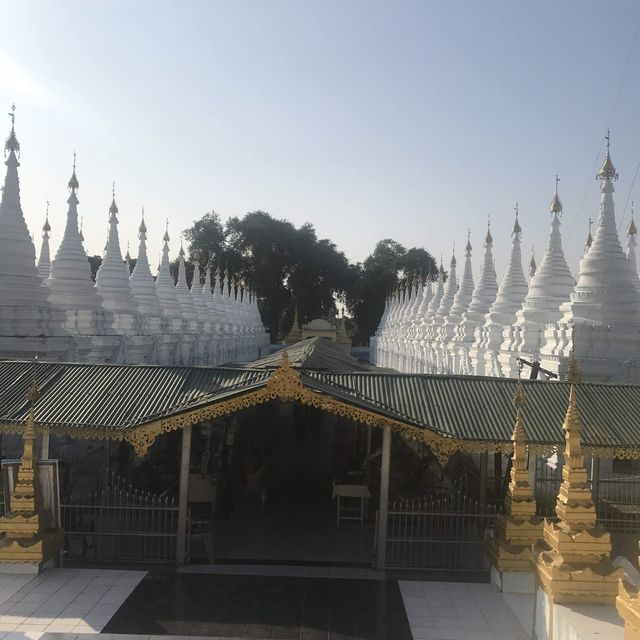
260, 602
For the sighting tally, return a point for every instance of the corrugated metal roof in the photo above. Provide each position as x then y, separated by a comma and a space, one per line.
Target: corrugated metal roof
468, 407
115, 396
317, 354
479, 408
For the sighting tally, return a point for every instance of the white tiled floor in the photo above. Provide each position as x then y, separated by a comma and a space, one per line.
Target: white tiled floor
459, 611
62, 601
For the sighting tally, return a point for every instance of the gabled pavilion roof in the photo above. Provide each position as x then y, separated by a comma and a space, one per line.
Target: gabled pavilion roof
449, 413
314, 354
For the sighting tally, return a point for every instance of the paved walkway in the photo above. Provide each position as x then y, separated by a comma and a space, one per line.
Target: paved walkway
63, 600
260, 602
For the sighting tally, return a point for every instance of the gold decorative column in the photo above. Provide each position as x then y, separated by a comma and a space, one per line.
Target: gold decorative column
518, 528
23, 540
628, 605
573, 564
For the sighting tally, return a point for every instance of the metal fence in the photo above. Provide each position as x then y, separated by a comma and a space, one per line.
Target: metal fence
619, 503
120, 523
444, 532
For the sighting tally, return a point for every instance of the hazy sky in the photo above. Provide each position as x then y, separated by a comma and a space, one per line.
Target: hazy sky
409, 120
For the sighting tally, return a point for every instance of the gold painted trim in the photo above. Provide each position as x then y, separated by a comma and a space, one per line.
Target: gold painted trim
285, 384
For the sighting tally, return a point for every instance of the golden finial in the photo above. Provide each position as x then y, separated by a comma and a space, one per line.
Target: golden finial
12, 143
556, 203
284, 361
519, 396
32, 393
631, 229
517, 229
607, 170
488, 240
573, 370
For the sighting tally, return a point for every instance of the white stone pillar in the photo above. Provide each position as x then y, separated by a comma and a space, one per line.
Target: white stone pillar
381, 551
183, 496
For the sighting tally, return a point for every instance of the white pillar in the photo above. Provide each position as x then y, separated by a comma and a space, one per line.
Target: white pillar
381, 551
44, 444
183, 496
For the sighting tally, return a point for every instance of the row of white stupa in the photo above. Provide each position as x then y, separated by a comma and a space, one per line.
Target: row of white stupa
54, 309
458, 328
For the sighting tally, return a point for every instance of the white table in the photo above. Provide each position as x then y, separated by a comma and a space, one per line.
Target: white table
360, 491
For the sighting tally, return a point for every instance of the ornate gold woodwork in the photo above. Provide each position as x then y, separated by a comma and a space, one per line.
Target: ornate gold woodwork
518, 528
573, 563
22, 537
285, 384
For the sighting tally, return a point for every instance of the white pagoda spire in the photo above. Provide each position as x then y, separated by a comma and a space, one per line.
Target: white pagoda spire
450, 291
632, 242
483, 296
606, 288
589, 241
532, 263
44, 261
465, 291
207, 292
182, 290
549, 288
509, 299
112, 281
197, 293
141, 281
165, 285
70, 282
434, 303
427, 295
20, 284
600, 322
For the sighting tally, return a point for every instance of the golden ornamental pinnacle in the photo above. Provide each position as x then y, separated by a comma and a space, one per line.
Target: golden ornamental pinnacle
33, 394
519, 397
573, 370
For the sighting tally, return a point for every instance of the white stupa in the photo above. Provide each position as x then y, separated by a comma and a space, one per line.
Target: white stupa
141, 281
460, 304
26, 315
602, 320
112, 281
483, 296
44, 260
549, 288
69, 283
511, 294
632, 242
197, 296
165, 285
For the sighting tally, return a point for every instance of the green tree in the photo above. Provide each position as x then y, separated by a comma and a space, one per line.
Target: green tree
206, 240
388, 265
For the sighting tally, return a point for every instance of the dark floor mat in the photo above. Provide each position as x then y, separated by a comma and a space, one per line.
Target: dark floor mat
263, 607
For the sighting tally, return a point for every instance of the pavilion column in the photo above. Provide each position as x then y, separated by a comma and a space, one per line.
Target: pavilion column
183, 496
595, 480
484, 460
381, 550
44, 444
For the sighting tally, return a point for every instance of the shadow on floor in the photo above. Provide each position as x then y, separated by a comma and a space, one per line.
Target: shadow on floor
263, 607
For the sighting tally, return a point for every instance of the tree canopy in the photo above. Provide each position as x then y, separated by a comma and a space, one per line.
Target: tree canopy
291, 267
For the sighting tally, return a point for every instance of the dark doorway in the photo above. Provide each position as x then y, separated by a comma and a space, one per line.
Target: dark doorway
278, 467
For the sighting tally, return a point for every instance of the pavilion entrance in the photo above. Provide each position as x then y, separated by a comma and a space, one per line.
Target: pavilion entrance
277, 468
